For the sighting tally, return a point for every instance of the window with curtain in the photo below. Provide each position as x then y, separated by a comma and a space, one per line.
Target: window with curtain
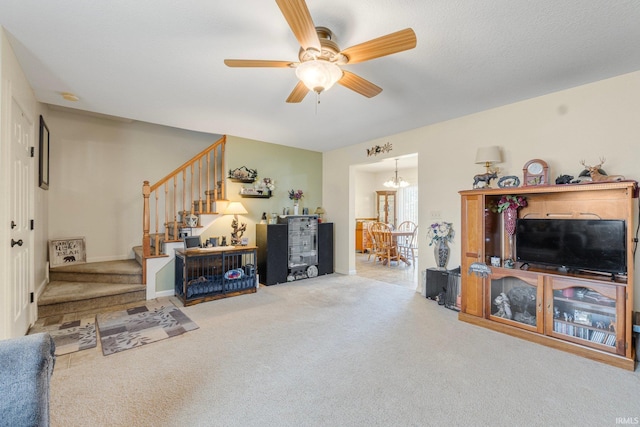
408, 204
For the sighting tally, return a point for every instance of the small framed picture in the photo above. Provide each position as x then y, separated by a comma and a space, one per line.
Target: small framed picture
44, 155
244, 241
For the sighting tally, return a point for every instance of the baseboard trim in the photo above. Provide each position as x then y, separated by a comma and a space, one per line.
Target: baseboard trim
161, 294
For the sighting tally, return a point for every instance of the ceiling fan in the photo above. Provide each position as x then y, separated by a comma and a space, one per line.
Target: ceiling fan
320, 57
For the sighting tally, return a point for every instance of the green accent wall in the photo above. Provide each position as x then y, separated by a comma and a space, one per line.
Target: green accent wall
290, 168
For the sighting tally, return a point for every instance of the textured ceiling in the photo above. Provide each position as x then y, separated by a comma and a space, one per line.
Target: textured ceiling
162, 61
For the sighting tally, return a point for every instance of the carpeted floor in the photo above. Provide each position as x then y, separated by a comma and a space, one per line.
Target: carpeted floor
339, 351
138, 326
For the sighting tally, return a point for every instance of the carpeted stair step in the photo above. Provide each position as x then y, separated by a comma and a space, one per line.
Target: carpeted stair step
138, 253
64, 297
123, 271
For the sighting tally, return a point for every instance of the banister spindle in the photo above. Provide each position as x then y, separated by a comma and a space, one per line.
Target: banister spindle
166, 211
200, 185
191, 186
146, 242
207, 192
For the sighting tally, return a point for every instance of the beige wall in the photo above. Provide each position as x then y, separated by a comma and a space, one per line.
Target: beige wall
366, 185
290, 168
97, 169
587, 122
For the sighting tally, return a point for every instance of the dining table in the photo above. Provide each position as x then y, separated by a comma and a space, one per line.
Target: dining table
395, 234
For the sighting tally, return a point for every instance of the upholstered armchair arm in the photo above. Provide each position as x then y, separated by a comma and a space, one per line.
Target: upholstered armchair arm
26, 366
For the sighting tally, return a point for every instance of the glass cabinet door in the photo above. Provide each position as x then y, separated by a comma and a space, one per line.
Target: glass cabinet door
587, 314
516, 301
386, 206
391, 211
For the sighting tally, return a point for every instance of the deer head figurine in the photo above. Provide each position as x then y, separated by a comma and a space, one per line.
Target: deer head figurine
597, 176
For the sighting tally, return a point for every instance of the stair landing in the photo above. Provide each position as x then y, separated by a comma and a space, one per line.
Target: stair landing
82, 287
123, 271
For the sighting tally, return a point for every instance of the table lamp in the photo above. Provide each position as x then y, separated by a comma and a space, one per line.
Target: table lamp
488, 156
235, 209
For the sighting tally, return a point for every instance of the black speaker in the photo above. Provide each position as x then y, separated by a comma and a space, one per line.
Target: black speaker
325, 248
437, 281
272, 243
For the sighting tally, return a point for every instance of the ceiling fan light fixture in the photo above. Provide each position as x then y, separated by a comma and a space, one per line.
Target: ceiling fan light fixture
318, 75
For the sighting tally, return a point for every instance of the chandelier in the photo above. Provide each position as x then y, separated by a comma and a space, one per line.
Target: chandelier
396, 181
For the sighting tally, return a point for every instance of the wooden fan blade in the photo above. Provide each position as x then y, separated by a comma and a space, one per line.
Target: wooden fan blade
298, 93
297, 15
255, 63
382, 46
358, 84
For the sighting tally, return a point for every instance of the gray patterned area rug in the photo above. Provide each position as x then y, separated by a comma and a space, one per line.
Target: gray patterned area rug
71, 336
138, 326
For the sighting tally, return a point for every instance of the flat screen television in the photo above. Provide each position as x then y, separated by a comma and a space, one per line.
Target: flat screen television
574, 244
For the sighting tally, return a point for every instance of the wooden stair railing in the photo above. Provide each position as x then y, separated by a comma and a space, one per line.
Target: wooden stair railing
161, 200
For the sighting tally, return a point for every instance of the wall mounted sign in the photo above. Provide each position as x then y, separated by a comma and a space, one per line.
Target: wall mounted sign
377, 149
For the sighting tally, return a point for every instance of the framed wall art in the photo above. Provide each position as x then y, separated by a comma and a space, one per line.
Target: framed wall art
44, 155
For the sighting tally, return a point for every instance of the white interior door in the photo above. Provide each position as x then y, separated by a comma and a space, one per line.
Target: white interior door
21, 254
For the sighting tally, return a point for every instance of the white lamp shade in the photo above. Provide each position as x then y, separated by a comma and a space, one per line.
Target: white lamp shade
488, 155
235, 208
318, 74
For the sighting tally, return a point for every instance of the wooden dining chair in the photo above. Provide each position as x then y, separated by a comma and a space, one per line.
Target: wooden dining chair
370, 245
407, 244
387, 250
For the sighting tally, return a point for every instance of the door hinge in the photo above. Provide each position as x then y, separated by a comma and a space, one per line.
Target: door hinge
31, 296
33, 151
32, 224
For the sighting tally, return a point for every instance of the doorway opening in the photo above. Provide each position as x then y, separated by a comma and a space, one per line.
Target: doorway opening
393, 205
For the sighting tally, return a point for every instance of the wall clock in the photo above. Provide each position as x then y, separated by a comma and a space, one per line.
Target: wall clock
535, 172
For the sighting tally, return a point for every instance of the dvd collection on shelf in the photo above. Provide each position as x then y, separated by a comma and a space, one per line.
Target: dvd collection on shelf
597, 336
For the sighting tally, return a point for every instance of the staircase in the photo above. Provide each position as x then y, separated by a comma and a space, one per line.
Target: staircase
91, 286
166, 204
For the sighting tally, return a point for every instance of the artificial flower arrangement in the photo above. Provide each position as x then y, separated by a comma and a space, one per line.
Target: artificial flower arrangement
510, 201
269, 184
440, 231
295, 194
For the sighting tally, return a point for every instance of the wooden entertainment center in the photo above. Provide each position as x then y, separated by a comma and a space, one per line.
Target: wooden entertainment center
586, 313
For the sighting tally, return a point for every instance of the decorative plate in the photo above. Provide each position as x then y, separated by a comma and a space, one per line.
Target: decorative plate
509, 181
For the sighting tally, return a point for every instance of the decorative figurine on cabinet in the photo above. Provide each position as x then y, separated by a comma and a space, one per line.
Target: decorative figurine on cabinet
485, 178
564, 179
509, 181
597, 175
